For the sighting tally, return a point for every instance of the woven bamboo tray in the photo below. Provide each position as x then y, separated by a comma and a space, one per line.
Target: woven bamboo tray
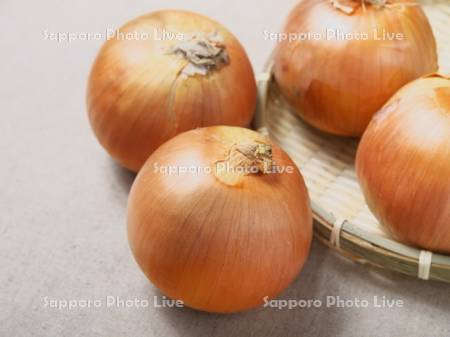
342, 218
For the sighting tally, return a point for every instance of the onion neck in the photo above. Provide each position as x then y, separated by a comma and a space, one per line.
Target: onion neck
204, 53
349, 6
244, 159
377, 3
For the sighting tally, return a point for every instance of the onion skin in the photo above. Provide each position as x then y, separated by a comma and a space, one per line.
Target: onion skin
217, 247
403, 164
337, 86
137, 97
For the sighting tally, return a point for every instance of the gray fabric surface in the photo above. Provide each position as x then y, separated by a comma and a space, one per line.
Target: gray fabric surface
63, 201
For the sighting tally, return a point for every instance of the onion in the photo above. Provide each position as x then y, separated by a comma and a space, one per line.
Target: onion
337, 82
165, 73
232, 228
403, 164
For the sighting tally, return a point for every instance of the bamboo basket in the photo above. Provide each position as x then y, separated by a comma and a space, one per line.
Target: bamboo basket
342, 218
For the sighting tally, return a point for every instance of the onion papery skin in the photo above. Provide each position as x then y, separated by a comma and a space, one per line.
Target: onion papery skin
138, 96
218, 247
337, 85
403, 164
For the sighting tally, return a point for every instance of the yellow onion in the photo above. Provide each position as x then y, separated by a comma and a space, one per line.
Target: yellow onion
403, 164
162, 74
219, 217
337, 82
